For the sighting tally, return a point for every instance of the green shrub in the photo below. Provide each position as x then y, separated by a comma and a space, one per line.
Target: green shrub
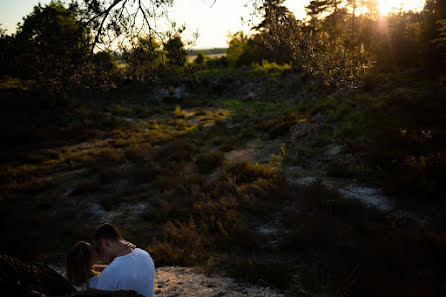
270, 69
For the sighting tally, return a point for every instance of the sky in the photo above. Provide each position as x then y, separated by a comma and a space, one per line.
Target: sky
213, 23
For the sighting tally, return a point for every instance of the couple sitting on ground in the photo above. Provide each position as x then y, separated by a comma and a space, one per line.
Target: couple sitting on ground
131, 268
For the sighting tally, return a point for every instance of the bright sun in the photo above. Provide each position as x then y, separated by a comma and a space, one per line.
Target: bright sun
387, 6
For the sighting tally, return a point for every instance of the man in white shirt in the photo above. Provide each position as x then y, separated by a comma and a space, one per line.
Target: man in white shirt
131, 268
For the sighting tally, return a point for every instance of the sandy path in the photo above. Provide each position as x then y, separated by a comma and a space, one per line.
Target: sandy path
179, 281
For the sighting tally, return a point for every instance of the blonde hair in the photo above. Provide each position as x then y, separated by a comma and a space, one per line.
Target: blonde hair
79, 264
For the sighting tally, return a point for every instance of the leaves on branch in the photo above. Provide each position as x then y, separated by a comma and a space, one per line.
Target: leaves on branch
119, 23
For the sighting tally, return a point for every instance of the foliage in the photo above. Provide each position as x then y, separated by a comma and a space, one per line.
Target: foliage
175, 53
237, 45
335, 63
277, 32
340, 45
52, 46
282, 39
121, 19
144, 58
318, 7
201, 60
8, 58
441, 40
101, 72
179, 113
221, 62
270, 69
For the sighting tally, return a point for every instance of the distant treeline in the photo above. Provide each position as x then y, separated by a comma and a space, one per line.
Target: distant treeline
207, 52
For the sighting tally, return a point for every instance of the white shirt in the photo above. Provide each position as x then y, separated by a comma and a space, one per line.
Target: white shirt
92, 284
134, 271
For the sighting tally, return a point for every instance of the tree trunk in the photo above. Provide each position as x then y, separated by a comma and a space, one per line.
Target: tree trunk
353, 20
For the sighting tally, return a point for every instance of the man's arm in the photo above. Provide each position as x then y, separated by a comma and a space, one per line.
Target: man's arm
108, 280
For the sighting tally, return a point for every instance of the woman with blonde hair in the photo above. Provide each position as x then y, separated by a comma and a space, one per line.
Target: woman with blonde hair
81, 266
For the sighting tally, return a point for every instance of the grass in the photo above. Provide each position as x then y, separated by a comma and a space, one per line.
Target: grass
265, 69
270, 69
201, 216
396, 132
179, 113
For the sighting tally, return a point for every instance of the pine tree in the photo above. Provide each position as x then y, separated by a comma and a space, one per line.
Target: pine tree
317, 7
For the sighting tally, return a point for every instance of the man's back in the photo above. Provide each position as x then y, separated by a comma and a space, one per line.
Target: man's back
134, 271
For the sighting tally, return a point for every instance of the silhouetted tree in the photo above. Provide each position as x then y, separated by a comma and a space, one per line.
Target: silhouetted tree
278, 29
102, 72
200, 60
236, 47
318, 7
52, 45
114, 21
434, 53
175, 53
8, 54
144, 58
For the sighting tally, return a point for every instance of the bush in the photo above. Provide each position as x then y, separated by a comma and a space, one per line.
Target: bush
184, 244
245, 172
270, 69
207, 162
145, 60
138, 152
101, 73
52, 46
179, 113
177, 151
175, 53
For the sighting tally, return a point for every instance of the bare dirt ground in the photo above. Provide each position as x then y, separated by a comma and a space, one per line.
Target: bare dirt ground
180, 281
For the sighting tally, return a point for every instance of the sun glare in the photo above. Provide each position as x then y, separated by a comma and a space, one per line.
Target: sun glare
387, 6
